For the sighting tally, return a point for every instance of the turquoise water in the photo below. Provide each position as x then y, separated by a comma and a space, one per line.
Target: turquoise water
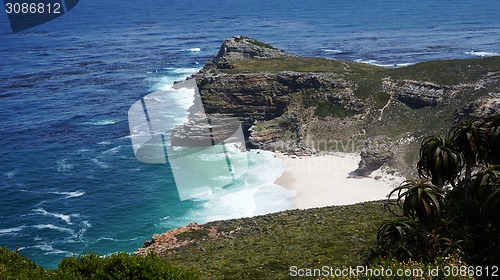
69, 179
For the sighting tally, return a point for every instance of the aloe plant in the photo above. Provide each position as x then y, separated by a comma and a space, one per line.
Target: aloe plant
420, 200
439, 161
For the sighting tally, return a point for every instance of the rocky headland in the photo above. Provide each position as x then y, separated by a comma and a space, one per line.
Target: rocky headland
301, 105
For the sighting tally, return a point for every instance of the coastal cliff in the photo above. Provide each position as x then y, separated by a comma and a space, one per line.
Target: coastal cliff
305, 105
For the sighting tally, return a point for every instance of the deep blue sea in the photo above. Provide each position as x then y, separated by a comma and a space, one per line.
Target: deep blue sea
69, 180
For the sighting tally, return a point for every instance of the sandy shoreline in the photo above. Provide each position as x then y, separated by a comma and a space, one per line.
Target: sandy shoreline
324, 180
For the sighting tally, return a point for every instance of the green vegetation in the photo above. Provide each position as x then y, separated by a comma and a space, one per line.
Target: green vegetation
91, 266
449, 72
265, 247
15, 266
455, 205
298, 64
255, 42
324, 109
397, 119
439, 269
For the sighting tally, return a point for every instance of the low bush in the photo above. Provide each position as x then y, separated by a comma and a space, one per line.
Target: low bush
91, 266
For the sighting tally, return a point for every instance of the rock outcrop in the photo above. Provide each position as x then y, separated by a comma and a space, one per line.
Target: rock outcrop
481, 108
377, 151
240, 47
265, 96
417, 94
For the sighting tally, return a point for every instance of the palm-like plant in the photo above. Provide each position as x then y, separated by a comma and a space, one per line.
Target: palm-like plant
395, 238
485, 192
491, 207
471, 139
493, 124
440, 219
439, 161
494, 144
419, 200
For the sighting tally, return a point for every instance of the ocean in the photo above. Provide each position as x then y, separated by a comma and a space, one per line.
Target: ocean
69, 180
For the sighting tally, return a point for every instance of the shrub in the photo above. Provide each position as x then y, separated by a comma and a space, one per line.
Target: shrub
91, 266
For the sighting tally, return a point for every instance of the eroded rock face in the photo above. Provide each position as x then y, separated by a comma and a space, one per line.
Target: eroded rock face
482, 108
416, 94
264, 96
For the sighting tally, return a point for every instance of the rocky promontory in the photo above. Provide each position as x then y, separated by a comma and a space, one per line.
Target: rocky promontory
303, 105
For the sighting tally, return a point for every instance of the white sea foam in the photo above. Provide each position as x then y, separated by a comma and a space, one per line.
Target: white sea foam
79, 235
63, 165
175, 74
184, 72
376, 63
113, 150
101, 122
192, 50
105, 239
54, 227
49, 249
64, 217
13, 230
254, 193
332, 51
101, 164
87, 224
115, 240
70, 194
482, 54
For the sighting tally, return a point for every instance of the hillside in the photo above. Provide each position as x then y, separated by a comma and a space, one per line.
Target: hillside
265, 247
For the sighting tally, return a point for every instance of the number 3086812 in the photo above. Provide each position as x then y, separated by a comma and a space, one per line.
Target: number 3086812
33, 8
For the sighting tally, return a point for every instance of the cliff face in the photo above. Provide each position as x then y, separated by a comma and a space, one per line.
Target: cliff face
290, 103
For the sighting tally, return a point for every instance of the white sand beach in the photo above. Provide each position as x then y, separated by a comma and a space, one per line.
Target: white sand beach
324, 180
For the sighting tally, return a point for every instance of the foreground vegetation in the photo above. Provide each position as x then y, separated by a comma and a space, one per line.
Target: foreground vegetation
265, 247
455, 205
118, 266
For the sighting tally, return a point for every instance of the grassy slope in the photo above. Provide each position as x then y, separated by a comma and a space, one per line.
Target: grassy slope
265, 247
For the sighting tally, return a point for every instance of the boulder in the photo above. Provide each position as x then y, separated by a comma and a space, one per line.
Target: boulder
377, 152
